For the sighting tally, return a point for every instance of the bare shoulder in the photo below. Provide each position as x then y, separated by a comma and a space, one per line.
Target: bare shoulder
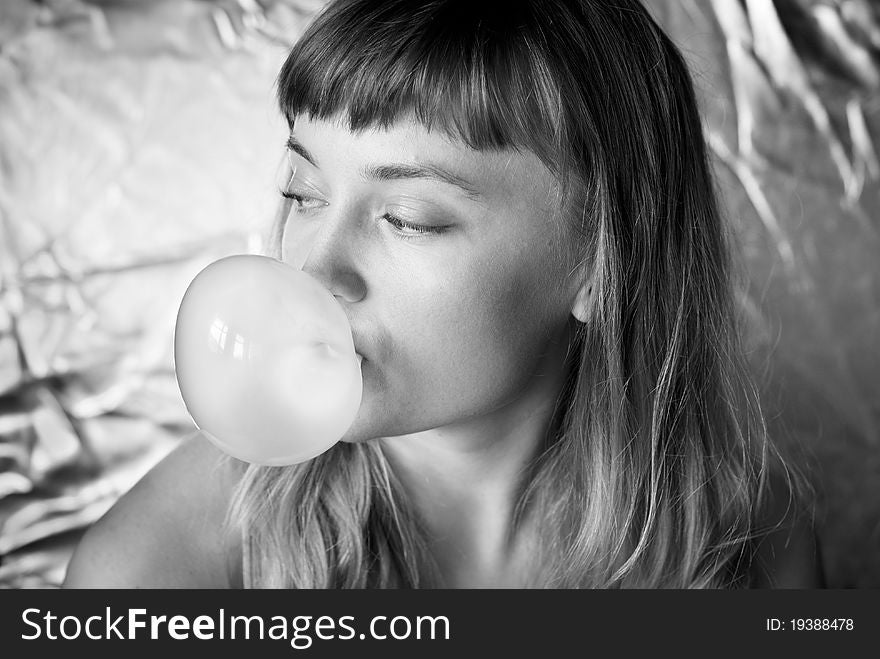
167, 530
787, 553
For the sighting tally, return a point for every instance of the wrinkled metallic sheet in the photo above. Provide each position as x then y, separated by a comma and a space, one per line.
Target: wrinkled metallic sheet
791, 94
138, 141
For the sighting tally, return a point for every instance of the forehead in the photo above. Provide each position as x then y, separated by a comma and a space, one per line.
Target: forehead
508, 175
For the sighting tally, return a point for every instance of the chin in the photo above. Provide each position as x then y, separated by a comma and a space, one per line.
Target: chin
368, 426
361, 430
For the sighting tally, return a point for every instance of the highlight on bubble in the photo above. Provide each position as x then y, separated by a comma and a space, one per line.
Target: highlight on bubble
265, 361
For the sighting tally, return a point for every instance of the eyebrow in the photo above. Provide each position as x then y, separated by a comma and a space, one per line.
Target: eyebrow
398, 171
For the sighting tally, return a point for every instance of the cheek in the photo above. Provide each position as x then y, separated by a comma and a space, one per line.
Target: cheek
475, 338
509, 320
296, 241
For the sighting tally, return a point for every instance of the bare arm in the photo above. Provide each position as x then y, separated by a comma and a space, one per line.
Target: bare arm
166, 531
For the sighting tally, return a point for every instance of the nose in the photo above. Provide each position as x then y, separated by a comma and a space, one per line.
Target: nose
327, 249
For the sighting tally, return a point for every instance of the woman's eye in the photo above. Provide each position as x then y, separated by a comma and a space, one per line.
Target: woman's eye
408, 230
301, 201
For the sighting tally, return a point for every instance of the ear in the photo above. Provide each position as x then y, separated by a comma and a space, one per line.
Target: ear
580, 284
580, 309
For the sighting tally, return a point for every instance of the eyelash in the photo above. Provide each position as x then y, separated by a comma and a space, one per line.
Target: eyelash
396, 222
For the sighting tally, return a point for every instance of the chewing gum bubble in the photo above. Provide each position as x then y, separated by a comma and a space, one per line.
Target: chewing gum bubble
265, 361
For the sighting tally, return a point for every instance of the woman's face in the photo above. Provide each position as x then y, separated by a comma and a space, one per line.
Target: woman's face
444, 259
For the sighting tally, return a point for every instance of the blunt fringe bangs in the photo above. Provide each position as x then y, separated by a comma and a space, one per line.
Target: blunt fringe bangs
455, 66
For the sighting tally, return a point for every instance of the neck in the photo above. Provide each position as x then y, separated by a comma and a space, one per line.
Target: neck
464, 480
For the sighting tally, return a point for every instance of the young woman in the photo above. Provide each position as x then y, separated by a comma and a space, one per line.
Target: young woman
517, 214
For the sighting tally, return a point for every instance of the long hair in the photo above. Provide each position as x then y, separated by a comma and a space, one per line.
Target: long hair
657, 455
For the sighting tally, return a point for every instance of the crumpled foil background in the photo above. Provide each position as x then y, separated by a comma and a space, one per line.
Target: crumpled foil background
139, 141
